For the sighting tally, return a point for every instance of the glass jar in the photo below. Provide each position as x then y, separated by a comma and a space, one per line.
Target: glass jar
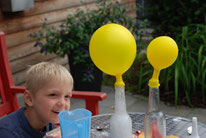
154, 121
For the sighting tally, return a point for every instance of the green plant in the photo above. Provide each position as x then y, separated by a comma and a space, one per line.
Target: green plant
137, 77
73, 35
187, 77
184, 81
169, 16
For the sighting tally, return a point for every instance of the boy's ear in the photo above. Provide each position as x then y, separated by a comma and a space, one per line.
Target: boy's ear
28, 98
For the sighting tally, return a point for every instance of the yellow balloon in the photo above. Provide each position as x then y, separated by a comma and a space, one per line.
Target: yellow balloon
161, 53
112, 49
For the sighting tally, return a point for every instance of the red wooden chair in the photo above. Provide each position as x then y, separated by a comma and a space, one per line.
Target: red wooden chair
8, 91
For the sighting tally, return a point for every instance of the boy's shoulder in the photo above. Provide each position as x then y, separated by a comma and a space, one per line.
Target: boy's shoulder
16, 125
10, 123
11, 120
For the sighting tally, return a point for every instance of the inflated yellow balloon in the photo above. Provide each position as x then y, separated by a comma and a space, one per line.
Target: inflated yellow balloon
161, 53
113, 49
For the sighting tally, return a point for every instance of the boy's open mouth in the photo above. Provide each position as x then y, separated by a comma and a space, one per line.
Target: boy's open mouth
55, 112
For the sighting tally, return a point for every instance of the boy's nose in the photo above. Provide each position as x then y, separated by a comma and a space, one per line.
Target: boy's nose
61, 102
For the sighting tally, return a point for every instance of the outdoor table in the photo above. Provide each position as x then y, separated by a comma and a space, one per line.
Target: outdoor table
174, 125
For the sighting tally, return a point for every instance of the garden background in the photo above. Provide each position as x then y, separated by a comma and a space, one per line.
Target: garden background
181, 84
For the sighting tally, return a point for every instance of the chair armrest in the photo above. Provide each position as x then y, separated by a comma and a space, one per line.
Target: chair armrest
91, 99
17, 89
97, 96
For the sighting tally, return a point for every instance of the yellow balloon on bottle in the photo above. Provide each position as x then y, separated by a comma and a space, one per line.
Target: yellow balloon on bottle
112, 48
161, 53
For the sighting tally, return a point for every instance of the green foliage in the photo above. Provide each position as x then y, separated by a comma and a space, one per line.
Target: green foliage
185, 80
137, 77
188, 74
73, 35
169, 16
184, 21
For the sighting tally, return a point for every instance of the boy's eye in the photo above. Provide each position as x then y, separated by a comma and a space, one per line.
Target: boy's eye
52, 94
67, 96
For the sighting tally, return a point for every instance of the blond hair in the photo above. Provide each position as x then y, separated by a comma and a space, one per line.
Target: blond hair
40, 74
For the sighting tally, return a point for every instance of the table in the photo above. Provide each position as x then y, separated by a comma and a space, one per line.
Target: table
174, 125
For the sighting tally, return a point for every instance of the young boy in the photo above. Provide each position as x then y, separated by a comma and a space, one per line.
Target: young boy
48, 91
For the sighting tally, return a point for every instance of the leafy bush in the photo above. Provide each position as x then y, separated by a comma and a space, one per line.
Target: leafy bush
185, 81
182, 83
138, 76
187, 77
73, 35
169, 16
184, 21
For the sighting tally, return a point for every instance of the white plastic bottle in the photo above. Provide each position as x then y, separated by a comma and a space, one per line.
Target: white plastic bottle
120, 123
195, 133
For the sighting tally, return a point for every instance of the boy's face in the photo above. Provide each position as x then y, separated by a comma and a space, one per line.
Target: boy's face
50, 100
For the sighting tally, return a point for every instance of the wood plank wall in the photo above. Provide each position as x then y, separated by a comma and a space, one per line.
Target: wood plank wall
17, 26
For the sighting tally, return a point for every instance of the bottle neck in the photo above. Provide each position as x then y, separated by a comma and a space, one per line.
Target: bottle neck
120, 103
153, 104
